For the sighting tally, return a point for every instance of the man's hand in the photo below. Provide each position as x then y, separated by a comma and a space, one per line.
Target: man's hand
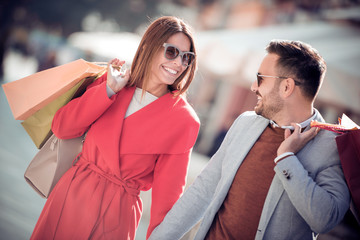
295, 141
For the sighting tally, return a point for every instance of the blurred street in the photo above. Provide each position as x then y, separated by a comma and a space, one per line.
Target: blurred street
20, 205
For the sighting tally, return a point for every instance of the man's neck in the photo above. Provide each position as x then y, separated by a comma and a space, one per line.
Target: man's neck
294, 115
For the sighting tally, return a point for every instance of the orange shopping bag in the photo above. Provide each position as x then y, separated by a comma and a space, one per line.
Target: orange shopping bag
36, 98
30, 94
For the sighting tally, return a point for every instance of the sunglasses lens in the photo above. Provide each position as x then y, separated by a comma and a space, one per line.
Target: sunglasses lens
259, 79
188, 58
171, 52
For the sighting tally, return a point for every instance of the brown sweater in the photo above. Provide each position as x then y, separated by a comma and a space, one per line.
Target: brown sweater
239, 215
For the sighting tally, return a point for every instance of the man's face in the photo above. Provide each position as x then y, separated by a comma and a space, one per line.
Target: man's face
269, 103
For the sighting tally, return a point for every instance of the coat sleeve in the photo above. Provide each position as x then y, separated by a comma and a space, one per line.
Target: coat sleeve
322, 200
168, 185
74, 119
191, 207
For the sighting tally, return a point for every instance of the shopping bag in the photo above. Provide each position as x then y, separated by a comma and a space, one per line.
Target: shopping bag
38, 125
51, 163
30, 94
348, 145
36, 98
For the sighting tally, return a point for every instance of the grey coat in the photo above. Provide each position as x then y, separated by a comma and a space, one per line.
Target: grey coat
314, 198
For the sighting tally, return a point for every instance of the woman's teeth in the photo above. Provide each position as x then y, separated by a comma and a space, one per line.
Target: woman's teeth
170, 70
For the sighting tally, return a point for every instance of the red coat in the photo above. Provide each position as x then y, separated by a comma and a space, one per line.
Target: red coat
98, 198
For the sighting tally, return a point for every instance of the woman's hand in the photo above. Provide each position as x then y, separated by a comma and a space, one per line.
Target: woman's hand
117, 79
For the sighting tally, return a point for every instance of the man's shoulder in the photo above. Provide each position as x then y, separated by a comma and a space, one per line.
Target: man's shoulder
326, 134
324, 137
249, 122
249, 117
249, 114
323, 148
325, 141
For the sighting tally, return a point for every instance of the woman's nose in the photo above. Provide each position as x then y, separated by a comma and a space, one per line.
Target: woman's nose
178, 60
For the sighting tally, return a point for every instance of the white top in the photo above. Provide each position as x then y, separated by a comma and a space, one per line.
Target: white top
138, 103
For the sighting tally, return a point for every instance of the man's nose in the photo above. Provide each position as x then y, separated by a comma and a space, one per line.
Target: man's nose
254, 86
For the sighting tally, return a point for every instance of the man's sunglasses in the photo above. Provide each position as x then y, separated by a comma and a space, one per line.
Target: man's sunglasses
260, 77
171, 52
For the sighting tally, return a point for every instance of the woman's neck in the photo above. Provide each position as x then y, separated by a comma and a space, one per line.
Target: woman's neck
157, 90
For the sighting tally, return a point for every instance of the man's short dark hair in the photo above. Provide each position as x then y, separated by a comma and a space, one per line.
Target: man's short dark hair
301, 62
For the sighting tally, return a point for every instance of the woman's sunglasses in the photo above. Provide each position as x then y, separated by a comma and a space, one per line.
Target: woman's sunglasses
171, 52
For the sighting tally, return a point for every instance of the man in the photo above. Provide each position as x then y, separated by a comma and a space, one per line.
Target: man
271, 178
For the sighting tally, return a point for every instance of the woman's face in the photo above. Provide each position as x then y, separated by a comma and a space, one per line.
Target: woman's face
163, 71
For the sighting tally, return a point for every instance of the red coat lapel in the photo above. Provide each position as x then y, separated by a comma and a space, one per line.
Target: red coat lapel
168, 125
107, 129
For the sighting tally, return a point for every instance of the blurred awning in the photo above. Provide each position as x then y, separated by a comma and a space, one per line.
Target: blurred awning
237, 54
122, 45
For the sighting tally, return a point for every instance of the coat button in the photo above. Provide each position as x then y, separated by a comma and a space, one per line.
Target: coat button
286, 174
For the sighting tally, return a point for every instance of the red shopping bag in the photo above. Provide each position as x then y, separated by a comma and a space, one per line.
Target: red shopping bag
348, 145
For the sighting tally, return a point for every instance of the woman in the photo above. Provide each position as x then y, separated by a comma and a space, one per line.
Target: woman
137, 137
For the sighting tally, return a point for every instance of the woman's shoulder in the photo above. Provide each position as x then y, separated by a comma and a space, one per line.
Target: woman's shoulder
184, 109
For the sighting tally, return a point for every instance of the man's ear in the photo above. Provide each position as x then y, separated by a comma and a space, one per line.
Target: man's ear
288, 86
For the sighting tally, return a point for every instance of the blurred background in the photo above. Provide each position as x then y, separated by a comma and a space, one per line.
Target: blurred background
230, 35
